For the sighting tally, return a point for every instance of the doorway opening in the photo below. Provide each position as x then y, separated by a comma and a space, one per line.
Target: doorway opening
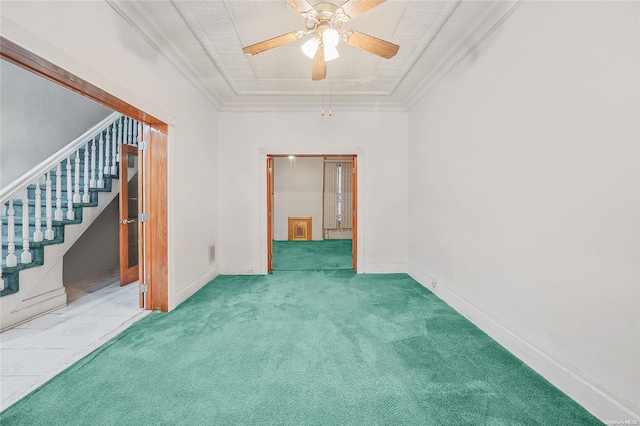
152, 251
329, 204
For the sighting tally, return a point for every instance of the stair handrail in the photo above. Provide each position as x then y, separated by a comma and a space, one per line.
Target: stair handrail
22, 182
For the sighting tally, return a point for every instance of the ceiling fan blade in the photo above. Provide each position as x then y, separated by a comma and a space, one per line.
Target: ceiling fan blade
254, 49
319, 65
301, 6
371, 44
353, 8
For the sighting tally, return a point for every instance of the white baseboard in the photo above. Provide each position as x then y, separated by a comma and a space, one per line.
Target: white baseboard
35, 307
189, 290
384, 268
592, 395
232, 269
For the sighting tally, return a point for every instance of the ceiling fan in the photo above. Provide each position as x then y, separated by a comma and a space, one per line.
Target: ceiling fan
323, 21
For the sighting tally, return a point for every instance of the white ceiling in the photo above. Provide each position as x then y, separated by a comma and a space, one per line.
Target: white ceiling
204, 40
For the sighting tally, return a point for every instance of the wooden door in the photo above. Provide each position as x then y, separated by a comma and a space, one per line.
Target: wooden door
130, 188
269, 213
354, 224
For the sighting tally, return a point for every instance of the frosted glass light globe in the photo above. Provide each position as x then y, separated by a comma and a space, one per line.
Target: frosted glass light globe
310, 47
330, 37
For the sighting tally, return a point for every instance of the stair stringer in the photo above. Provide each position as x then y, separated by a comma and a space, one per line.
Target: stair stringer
42, 289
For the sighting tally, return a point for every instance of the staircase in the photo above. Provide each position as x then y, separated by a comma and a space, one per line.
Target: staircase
36, 210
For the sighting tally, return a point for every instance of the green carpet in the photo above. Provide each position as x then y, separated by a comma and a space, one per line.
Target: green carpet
301, 348
311, 255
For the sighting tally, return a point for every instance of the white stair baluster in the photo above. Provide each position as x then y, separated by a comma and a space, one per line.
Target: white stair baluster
86, 198
92, 181
58, 215
124, 127
70, 213
128, 121
48, 201
37, 234
107, 155
76, 179
132, 137
136, 132
120, 136
25, 257
100, 182
11, 259
114, 148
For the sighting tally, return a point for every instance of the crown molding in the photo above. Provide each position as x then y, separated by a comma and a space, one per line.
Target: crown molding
483, 28
131, 12
199, 34
443, 17
254, 101
309, 107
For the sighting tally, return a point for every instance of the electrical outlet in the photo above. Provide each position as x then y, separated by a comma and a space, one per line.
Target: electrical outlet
212, 253
434, 283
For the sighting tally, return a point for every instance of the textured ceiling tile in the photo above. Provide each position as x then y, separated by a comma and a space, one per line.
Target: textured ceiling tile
204, 39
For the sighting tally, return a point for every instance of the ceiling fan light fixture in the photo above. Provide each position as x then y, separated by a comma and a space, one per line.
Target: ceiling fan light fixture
310, 47
330, 37
323, 21
330, 53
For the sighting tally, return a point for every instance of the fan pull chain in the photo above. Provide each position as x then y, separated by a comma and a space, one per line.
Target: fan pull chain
330, 110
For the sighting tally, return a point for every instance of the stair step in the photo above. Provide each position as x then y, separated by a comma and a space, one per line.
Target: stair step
10, 283
11, 274
63, 178
32, 228
37, 254
32, 220
32, 246
108, 187
63, 181
43, 209
63, 175
77, 211
37, 259
63, 189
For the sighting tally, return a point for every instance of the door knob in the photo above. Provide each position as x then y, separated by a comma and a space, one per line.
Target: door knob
126, 222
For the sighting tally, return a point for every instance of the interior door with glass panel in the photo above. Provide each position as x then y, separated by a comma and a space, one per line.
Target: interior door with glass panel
130, 184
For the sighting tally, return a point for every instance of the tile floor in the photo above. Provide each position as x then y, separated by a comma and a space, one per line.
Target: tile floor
35, 351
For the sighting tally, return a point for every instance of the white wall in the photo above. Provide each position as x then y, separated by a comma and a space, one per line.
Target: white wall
38, 118
108, 53
381, 138
97, 251
525, 196
297, 191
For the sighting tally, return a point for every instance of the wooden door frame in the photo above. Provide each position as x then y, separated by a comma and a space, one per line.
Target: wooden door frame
154, 163
357, 157
354, 204
269, 213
